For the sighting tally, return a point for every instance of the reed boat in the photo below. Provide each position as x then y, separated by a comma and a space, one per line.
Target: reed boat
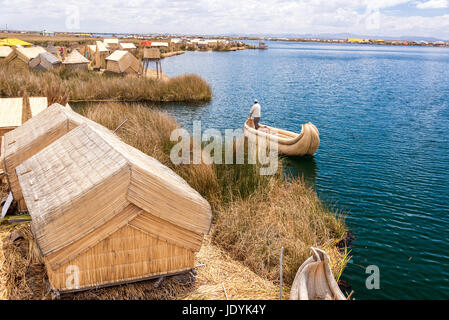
289, 143
315, 281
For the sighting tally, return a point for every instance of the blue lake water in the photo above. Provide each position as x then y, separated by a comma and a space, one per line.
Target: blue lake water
383, 116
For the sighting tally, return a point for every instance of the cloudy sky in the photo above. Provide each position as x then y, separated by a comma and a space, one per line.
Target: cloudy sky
428, 18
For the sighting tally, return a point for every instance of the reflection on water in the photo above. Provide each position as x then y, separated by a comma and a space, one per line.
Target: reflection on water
300, 167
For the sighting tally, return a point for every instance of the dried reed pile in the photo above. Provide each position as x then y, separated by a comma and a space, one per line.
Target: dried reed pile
22, 272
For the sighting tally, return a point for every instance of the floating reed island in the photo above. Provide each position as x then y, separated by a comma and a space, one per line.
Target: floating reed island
82, 85
106, 71
106, 174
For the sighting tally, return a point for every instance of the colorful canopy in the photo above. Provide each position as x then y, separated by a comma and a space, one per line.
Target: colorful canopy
14, 42
145, 43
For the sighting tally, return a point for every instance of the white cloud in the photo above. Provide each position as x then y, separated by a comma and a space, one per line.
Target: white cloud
226, 16
433, 4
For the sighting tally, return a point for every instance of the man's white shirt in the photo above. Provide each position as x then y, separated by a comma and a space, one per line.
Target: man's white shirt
255, 110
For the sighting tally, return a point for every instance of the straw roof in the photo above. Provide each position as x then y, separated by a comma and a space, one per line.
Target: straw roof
45, 61
127, 45
11, 110
111, 41
49, 57
75, 58
26, 54
159, 44
34, 135
5, 51
101, 47
117, 55
70, 179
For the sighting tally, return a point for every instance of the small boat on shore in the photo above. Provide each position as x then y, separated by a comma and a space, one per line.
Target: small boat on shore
289, 143
315, 281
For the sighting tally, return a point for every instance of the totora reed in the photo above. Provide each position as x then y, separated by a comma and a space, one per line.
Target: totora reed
82, 85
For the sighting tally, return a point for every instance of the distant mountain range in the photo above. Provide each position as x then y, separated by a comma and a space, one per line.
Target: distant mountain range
340, 36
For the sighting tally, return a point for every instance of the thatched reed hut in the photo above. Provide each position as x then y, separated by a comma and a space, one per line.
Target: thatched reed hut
123, 62
34, 135
20, 58
98, 46
45, 61
151, 53
104, 213
98, 54
75, 60
27, 54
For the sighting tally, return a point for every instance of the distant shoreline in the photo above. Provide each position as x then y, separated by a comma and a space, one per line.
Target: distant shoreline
85, 37
367, 42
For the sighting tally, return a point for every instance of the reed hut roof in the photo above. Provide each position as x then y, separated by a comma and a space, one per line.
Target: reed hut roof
5, 51
34, 135
101, 47
127, 45
45, 61
111, 41
117, 55
159, 44
75, 58
26, 54
88, 184
11, 110
51, 58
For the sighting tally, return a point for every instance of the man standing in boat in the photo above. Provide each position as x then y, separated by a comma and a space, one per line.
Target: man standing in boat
255, 113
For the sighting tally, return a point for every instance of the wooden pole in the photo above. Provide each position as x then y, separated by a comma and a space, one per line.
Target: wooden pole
97, 58
281, 273
160, 66
26, 108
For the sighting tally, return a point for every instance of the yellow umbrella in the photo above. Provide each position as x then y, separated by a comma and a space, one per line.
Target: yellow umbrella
14, 42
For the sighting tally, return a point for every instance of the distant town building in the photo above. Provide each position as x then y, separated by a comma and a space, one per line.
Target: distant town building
47, 33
